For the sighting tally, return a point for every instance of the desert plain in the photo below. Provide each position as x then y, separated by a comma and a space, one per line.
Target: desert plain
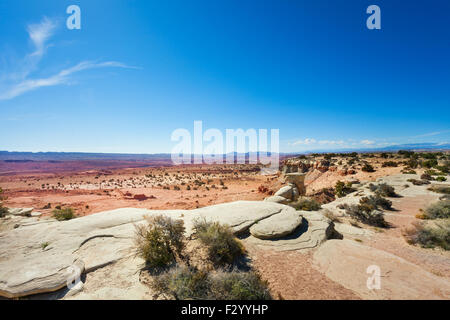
324, 252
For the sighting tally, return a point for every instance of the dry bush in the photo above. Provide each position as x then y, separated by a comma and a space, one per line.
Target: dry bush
383, 190
438, 210
330, 215
64, 214
160, 241
306, 204
184, 283
429, 236
223, 246
440, 189
238, 285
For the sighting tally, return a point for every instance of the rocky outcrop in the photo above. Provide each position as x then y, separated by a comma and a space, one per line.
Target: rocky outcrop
42, 257
277, 226
314, 229
25, 212
347, 262
285, 192
277, 199
296, 179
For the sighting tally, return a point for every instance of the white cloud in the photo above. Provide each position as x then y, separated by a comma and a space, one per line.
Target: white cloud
39, 34
331, 142
306, 141
20, 83
60, 78
367, 142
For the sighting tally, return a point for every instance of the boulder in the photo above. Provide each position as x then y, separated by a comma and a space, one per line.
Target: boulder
277, 226
26, 212
314, 230
277, 199
36, 214
298, 179
285, 192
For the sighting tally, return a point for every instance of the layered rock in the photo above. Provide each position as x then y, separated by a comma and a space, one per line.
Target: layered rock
42, 256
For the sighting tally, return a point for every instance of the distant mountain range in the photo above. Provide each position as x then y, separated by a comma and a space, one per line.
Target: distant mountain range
412, 146
78, 156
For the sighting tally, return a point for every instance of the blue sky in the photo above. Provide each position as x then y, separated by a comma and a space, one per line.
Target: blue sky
138, 70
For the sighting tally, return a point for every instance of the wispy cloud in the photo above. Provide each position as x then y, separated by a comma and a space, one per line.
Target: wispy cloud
60, 78
367, 142
306, 141
19, 82
39, 34
431, 134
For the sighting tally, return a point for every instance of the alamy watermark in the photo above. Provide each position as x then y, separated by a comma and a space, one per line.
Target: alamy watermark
374, 280
235, 147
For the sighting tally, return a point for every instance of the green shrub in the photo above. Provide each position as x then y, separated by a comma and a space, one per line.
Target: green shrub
223, 247
181, 283
389, 164
418, 182
429, 163
3, 210
362, 214
306, 204
408, 171
341, 189
367, 168
426, 176
441, 179
159, 241
440, 189
368, 210
438, 210
184, 283
412, 163
64, 214
237, 285
430, 236
375, 202
383, 189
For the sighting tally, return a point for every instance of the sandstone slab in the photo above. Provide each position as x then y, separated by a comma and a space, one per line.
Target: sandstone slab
346, 262
285, 192
40, 257
314, 230
277, 226
277, 199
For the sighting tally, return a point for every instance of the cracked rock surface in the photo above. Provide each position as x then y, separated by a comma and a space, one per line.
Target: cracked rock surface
41, 257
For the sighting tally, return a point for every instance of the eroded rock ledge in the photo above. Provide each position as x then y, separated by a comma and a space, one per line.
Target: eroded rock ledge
40, 258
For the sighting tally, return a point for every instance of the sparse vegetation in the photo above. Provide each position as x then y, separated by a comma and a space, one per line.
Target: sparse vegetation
330, 215
63, 214
418, 182
160, 241
182, 283
306, 204
360, 213
429, 235
367, 168
45, 245
342, 189
383, 190
438, 210
223, 247
440, 189
389, 164
237, 285
3, 210
375, 202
